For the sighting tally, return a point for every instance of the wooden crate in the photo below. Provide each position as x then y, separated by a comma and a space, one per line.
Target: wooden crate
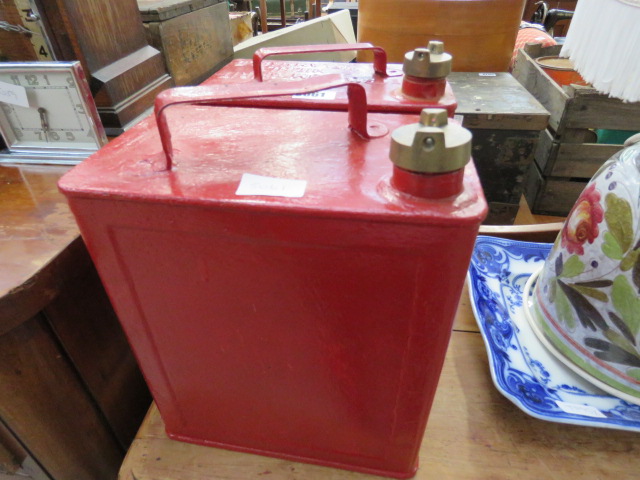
505, 121
567, 155
193, 35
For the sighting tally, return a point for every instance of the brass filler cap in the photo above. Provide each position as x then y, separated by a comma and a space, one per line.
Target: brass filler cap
432, 146
430, 62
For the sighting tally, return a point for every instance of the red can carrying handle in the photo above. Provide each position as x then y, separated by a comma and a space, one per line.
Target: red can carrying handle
379, 55
224, 95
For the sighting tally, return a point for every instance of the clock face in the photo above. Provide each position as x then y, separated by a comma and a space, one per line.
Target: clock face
60, 121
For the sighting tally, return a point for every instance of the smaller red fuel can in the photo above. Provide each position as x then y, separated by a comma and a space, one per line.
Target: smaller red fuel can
420, 82
288, 290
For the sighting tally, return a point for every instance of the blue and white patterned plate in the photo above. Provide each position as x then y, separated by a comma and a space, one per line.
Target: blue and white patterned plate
521, 368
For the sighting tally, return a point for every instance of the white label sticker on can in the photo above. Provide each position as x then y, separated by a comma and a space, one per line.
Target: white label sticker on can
578, 409
487, 74
271, 187
321, 95
13, 94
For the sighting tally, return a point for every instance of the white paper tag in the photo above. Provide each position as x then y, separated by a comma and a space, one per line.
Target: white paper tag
13, 94
271, 187
487, 74
577, 409
321, 95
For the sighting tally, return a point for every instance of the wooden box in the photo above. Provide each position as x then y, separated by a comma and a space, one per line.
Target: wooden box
567, 155
505, 121
193, 35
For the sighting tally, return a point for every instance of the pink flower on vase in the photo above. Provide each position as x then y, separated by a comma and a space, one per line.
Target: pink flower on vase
582, 224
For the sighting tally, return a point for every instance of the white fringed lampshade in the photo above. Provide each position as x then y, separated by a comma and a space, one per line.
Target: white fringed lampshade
603, 43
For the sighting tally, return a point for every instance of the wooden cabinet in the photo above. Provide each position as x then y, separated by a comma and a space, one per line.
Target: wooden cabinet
125, 73
71, 393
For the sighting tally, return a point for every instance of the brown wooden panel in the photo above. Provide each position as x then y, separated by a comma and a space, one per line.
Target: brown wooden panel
545, 152
11, 452
48, 408
541, 86
14, 46
572, 106
195, 44
533, 184
558, 196
109, 39
84, 322
590, 109
37, 230
581, 160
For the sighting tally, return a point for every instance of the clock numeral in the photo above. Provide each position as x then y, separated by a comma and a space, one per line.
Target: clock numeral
43, 52
70, 136
54, 136
15, 79
31, 79
70, 81
46, 79
39, 135
79, 108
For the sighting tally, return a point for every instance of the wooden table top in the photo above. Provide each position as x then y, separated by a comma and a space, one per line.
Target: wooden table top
36, 227
473, 433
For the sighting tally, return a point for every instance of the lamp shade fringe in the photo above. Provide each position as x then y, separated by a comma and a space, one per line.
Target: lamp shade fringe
603, 43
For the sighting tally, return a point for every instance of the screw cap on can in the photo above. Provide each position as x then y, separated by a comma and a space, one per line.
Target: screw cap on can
430, 62
432, 146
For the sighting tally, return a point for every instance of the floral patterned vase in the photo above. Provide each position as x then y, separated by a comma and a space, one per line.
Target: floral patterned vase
586, 301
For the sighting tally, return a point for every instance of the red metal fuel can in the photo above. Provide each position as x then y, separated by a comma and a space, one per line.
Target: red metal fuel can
420, 82
288, 289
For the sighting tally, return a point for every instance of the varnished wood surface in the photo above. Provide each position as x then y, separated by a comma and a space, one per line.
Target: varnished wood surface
74, 394
474, 433
35, 225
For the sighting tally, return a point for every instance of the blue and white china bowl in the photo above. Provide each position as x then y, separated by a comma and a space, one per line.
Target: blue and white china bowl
586, 301
522, 368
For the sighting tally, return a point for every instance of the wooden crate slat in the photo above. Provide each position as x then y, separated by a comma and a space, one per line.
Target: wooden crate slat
533, 185
546, 152
581, 160
558, 196
551, 195
573, 106
541, 86
590, 109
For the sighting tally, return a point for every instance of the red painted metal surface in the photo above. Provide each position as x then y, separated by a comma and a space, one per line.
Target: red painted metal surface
383, 82
310, 328
428, 185
379, 55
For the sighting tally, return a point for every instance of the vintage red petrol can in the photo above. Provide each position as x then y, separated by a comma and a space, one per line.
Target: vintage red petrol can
420, 82
288, 289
